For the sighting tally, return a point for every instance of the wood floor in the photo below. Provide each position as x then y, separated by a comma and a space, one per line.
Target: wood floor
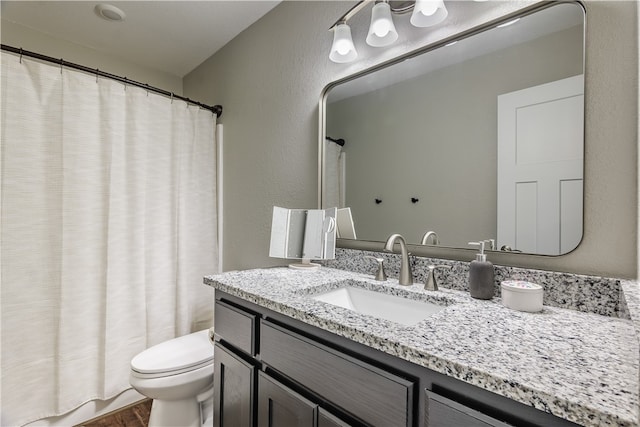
132, 416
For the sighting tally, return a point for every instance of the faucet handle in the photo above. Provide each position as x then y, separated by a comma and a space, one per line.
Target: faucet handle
431, 284
380, 274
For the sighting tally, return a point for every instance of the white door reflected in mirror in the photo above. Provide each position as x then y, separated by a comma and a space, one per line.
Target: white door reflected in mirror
540, 167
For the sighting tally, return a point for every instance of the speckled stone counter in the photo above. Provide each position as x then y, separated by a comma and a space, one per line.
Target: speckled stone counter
579, 366
591, 294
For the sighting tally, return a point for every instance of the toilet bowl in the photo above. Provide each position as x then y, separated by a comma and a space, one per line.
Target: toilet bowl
173, 374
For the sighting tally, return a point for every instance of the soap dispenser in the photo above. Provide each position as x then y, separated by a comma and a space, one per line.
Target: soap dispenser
481, 276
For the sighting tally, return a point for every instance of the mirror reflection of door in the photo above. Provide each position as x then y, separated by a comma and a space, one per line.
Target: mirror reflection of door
540, 167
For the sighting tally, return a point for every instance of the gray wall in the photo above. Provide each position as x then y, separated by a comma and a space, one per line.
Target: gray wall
270, 78
17, 35
434, 138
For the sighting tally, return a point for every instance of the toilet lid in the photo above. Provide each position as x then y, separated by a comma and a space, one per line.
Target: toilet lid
178, 354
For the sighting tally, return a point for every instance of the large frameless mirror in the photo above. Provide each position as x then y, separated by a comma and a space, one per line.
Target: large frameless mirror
477, 139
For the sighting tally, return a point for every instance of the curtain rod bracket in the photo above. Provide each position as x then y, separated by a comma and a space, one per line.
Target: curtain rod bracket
338, 141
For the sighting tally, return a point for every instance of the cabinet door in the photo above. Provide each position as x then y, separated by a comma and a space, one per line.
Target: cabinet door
234, 386
325, 419
279, 406
443, 412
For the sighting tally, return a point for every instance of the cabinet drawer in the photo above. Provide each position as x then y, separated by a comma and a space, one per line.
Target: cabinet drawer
369, 393
235, 326
443, 412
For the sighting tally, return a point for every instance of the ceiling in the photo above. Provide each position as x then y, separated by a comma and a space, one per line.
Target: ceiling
170, 36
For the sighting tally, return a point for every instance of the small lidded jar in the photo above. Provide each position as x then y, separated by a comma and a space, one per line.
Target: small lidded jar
521, 295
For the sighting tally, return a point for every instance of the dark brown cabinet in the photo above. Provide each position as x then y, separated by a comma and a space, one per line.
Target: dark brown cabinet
275, 371
245, 395
367, 392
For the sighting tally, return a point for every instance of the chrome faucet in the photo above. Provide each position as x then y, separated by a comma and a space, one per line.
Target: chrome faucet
430, 234
405, 277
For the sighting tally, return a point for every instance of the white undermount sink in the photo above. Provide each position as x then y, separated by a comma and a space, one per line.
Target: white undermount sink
390, 307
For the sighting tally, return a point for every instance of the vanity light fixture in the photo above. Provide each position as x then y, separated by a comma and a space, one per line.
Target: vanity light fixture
428, 12
343, 49
382, 31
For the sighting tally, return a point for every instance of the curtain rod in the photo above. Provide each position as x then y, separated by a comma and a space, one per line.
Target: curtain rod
216, 109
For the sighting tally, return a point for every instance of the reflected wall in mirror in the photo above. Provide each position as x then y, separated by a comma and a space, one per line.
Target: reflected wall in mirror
481, 139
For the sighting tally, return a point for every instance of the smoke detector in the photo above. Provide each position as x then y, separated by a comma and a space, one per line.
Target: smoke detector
109, 12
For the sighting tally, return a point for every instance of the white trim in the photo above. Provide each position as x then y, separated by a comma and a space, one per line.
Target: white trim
219, 192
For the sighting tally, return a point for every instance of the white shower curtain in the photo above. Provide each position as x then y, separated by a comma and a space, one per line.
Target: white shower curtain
108, 224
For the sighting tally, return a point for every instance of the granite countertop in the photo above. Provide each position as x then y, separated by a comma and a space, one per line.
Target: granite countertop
579, 366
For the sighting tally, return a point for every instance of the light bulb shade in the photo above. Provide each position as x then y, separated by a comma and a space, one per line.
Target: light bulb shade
342, 49
428, 12
382, 32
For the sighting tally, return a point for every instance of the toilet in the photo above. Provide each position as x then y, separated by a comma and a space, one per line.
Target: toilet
178, 376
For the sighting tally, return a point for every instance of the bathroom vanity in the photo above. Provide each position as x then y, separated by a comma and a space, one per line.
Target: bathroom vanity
282, 357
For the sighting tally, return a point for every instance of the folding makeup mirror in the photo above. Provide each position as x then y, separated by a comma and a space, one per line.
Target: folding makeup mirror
305, 234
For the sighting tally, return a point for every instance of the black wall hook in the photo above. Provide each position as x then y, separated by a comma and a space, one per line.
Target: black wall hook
414, 200
378, 201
